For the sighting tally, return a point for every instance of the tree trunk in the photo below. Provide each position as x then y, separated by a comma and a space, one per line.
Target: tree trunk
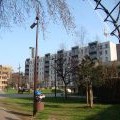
87, 94
90, 95
65, 91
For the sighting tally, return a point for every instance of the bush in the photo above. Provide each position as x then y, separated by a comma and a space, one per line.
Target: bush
109, 92
57, 91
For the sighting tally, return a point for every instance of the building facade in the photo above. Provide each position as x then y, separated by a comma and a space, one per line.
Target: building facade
5, 74
47, 76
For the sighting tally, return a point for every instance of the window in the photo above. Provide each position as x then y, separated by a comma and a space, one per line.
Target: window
81, 51
100, 58
106, 52
100, 46
100, 52
86, 50
106, 59
106, 45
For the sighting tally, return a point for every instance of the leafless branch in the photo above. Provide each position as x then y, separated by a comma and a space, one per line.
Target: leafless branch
17, 11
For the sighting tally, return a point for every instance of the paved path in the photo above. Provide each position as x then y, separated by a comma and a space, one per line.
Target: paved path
5, 114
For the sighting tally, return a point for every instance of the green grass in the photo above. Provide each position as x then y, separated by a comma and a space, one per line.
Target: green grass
61, 109
51, 90
19, 107
46, 91
75, 109
10, 91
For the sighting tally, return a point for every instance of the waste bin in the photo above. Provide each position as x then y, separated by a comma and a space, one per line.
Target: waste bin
39, 106
38, 97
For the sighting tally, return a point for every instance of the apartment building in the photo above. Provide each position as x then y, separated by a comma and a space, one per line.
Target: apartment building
52, 71
27, 63
46, 69
104, 52
5, 74
41, 71
47, 75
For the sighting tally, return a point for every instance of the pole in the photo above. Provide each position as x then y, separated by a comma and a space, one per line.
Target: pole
55, 75
19, 78
55, 84
35, 68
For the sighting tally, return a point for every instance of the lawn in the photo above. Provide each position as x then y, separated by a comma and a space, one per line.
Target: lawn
60, 109
11, 91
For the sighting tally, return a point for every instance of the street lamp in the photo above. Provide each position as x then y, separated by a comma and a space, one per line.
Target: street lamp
19, 78
35, 64
55, 75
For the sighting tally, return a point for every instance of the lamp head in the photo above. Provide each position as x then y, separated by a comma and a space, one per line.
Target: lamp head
33, 25
31, 48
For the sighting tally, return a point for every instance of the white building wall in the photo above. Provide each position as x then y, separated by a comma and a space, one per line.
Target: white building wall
113, 51
41, 69
104, 52
51, 71
82, 52
100, 52
31, 71
107, 51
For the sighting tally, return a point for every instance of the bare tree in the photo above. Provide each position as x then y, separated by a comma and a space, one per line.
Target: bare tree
17, 11
62, 46
64, 69
81, 35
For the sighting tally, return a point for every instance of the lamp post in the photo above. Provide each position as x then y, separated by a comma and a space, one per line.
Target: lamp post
19, 78
35, 64
55, 75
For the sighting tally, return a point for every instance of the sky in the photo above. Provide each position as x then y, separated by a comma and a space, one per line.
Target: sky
15, 43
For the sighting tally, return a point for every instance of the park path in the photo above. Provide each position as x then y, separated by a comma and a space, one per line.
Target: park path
5, 114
